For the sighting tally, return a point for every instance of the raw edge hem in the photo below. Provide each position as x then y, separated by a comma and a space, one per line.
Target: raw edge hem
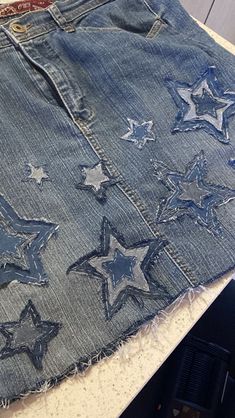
80, 367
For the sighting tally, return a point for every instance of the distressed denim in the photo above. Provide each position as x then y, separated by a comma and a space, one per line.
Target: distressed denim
117, 178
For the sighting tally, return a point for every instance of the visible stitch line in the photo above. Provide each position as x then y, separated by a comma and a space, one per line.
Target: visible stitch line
40, 232
155, 29
97, 29
48, 330
142, 276
150, 9
132, 196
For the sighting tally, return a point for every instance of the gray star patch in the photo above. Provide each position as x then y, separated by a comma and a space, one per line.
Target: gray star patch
29, 335
38, 174
96, 179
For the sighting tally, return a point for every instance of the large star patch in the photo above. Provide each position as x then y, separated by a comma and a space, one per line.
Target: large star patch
203, 105
29, 335
21, 242
124, 270
190, 194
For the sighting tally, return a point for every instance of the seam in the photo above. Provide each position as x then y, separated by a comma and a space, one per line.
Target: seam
134, 199
150, 8
152, 11
94, 29
168, 250
33, 79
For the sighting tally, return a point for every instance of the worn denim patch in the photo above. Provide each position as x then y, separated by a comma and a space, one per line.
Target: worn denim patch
21, 242
139, 133
205, 104
123, 270
191, 194
29, 335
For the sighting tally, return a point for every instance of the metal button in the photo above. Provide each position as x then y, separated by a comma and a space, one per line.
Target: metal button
17, 27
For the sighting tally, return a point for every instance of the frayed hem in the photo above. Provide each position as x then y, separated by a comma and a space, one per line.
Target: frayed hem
119, 348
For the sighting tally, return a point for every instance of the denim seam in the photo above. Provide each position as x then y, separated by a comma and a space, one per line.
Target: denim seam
153, 12
97, 29
135, 200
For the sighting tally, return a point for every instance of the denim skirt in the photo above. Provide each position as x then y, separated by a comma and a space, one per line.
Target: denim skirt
117, 192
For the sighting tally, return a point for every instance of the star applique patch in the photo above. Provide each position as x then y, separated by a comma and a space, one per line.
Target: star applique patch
21, 242
38, 174
139, 133
190, 194
29, 335
203, 105
124, 270
96, 179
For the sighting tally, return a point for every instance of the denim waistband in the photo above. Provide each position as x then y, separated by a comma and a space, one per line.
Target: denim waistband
21, 28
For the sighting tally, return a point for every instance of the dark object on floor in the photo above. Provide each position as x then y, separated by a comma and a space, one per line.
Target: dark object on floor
217, 326
196, 385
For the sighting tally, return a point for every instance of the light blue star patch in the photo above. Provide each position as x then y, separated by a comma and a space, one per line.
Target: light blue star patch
190, 194
29, 335
21, 242
139, 133
203, 105
123, 270
97, 179
36, 173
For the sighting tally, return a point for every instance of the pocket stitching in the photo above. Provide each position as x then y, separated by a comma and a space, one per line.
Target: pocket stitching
99, 29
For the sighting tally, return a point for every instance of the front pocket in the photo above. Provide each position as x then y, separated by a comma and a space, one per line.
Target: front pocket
134, 16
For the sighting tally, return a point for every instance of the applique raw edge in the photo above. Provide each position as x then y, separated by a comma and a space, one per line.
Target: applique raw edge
148, 324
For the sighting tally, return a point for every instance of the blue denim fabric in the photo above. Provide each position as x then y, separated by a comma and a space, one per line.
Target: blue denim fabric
117, 188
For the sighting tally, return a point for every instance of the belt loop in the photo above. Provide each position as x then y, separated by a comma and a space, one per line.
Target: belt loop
60, 19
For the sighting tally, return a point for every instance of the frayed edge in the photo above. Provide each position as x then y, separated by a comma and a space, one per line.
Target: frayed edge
121, 350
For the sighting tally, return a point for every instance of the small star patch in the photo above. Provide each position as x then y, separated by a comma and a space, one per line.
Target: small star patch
21, 242
203, 105
139, 133
96, 179
123, 270
29, 335
190, 194
38, 174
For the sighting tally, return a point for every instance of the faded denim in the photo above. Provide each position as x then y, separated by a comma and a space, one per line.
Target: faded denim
117, 188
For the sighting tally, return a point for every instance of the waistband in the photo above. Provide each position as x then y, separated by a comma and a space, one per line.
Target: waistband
17, 29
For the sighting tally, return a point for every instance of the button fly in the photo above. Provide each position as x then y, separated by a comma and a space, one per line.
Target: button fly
17, 27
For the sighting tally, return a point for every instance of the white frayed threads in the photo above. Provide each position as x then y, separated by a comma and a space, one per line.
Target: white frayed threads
124, 350
4, 403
